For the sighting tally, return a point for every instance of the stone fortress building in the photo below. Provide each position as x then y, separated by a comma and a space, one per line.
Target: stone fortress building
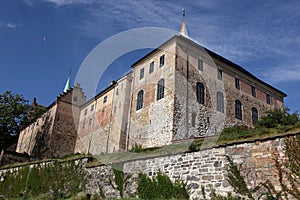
178, 91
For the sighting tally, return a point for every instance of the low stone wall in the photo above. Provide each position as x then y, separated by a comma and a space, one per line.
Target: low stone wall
207, 168
9, 157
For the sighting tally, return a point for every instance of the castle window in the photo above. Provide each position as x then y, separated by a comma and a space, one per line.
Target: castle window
237, 83
220, 74
90, 121
268, 99
160, 89
254, 116
194, 119
200, 64
140, 100
238, 110
220, 102
75, 98
92, 107
200, 92
85, 111
141, 73
151, 67
117, 91
83, 125
162, 61
253, 91
105, 99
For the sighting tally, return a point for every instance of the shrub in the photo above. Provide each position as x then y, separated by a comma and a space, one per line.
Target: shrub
279, 117
161, 187
58, 180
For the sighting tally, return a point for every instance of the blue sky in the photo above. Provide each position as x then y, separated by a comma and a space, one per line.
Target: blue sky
41, 39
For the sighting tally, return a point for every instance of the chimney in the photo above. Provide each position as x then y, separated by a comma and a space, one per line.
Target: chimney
112, 83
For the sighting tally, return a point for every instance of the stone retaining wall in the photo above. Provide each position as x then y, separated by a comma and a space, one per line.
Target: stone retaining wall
206, 168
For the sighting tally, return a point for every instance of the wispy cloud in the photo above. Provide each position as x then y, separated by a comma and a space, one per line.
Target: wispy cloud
28, 2
10, 25
285, 73
242, 33
69, 2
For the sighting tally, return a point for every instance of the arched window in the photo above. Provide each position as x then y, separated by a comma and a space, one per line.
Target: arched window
200, 92
220, 102
140, 100
160, 89
254, 116
238, 110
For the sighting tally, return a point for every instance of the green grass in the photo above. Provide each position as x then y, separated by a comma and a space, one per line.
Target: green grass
227, 136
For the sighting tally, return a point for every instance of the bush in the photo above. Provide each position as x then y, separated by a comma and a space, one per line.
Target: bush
161, 187
279, 117
57, 180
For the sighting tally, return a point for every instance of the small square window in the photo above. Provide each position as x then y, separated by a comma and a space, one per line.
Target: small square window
162, 61
200, 64
237, 83
141, 73
253, 91
105, 99
220, 74
151, 67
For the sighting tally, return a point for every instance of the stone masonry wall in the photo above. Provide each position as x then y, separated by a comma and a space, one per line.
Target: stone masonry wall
206, 168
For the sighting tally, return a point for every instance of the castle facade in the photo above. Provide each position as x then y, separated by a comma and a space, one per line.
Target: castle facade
180, 90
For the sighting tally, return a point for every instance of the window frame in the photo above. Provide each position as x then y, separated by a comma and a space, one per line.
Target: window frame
162, 60
238, 110
220, 102
193, 119
142, 73
151, 67
200, 66
200, 93
254, 115
160, 89
253, 91
237, 84
220, 74
268, 99
140, 100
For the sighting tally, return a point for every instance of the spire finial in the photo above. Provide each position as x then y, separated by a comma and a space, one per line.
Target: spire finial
183, 29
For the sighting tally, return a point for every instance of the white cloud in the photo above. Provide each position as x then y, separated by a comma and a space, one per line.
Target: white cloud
10, 25
242, 33
28, 2
68, 2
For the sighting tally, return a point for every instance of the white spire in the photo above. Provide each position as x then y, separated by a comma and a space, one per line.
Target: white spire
183, 30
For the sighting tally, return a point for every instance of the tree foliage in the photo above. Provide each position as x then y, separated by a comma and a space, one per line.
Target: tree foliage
278, 117
15, 114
